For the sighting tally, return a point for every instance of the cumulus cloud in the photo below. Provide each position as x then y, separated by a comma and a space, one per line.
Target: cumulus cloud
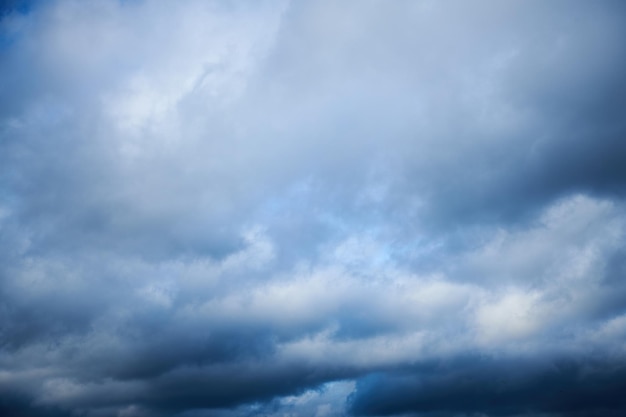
312, 208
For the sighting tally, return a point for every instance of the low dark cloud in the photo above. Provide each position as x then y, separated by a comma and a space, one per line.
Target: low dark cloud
496, 387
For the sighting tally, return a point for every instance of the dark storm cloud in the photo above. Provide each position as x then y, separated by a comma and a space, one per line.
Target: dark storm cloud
247, 214
496, 387
565, 84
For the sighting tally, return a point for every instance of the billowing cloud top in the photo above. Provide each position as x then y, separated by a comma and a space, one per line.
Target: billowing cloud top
214, 208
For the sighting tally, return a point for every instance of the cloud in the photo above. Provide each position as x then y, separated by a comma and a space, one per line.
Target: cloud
287, 208
501, 387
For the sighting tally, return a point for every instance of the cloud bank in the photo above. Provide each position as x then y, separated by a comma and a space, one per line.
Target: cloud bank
283, 208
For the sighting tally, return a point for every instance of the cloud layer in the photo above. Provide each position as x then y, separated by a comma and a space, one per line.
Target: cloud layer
312, 208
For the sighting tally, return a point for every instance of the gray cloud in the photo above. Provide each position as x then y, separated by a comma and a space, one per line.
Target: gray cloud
288, 208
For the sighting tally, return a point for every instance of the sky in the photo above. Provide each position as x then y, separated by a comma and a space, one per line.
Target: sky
288, 208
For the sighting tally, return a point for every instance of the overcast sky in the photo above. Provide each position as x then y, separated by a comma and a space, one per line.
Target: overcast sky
312, 208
